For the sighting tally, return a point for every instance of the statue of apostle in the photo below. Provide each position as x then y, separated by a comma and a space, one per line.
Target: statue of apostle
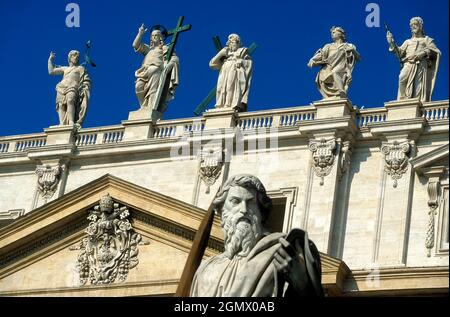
235, 73
157, 78
337, 61
256, 262
73, 91
419, 57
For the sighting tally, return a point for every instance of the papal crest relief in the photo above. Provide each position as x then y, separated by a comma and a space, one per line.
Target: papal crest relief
110, 249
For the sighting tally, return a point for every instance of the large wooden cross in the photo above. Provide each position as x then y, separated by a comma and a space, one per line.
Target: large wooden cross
202, 106
196, 253
174, 32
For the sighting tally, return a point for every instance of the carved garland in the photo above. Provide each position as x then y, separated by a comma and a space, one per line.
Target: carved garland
433, 196
345, 159
396, 157
323, 154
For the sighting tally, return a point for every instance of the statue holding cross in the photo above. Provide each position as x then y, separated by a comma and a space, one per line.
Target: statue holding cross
157, 78
235, 73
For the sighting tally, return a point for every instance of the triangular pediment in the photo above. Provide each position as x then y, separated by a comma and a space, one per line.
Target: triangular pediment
39, 251
437, 156
48, 236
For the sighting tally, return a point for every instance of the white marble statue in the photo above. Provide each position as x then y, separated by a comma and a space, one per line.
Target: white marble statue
156, 76
337, 61
235, 73
73, 91
419, 57
255, 262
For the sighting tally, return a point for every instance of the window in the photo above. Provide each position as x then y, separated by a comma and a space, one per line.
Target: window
443, 225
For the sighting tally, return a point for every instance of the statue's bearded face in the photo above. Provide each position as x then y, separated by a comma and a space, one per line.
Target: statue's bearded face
156, 37
415, 26
233, 44
241, 220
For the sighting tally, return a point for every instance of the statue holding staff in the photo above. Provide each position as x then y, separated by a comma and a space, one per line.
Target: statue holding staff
419, 58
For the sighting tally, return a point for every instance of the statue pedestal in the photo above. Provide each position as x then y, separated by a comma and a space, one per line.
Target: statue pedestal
403, 109
220, 118
143, 114
333, 107
60, 134
139, 125
137, 129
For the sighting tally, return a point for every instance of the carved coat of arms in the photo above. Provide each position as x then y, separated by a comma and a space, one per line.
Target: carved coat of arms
110, 249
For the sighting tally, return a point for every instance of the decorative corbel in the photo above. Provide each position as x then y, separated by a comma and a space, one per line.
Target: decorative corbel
396, 156
211, 162
323, 154
48, 179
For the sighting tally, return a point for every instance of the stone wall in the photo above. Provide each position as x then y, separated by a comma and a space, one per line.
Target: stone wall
327, 159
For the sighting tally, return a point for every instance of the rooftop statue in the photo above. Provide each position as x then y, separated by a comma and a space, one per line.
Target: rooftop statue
337, 61
73, 91
157, 78
235, 73
419, 58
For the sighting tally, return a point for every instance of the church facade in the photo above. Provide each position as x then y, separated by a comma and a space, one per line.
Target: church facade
370, 186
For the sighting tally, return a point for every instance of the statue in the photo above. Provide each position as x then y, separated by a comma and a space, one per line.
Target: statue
419, 58
73, 91
157, 78
337, 61
235, 73
256, 262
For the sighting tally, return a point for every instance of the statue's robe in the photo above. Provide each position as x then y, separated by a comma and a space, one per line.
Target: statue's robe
76, 80
252, 276
234, 79
156, 72
337, 63
418, 78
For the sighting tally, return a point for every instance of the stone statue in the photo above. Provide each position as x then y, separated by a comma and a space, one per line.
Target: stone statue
337, 61
256, 262
235, 66
73, 91
157, 78
419, 58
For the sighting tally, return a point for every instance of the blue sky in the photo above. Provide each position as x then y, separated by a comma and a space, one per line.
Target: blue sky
287, 32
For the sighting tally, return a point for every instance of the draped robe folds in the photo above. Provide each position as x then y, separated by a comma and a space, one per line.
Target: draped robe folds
154, 72
252, 276
234, 79
76, 80
340, 62
417, 79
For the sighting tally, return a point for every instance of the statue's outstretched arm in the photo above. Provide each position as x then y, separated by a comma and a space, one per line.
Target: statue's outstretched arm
137, 40
52, 70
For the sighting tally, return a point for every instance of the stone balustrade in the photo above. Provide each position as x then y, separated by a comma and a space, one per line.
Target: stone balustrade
273, 118
22, 142
437, 110
371, 115
102, 135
